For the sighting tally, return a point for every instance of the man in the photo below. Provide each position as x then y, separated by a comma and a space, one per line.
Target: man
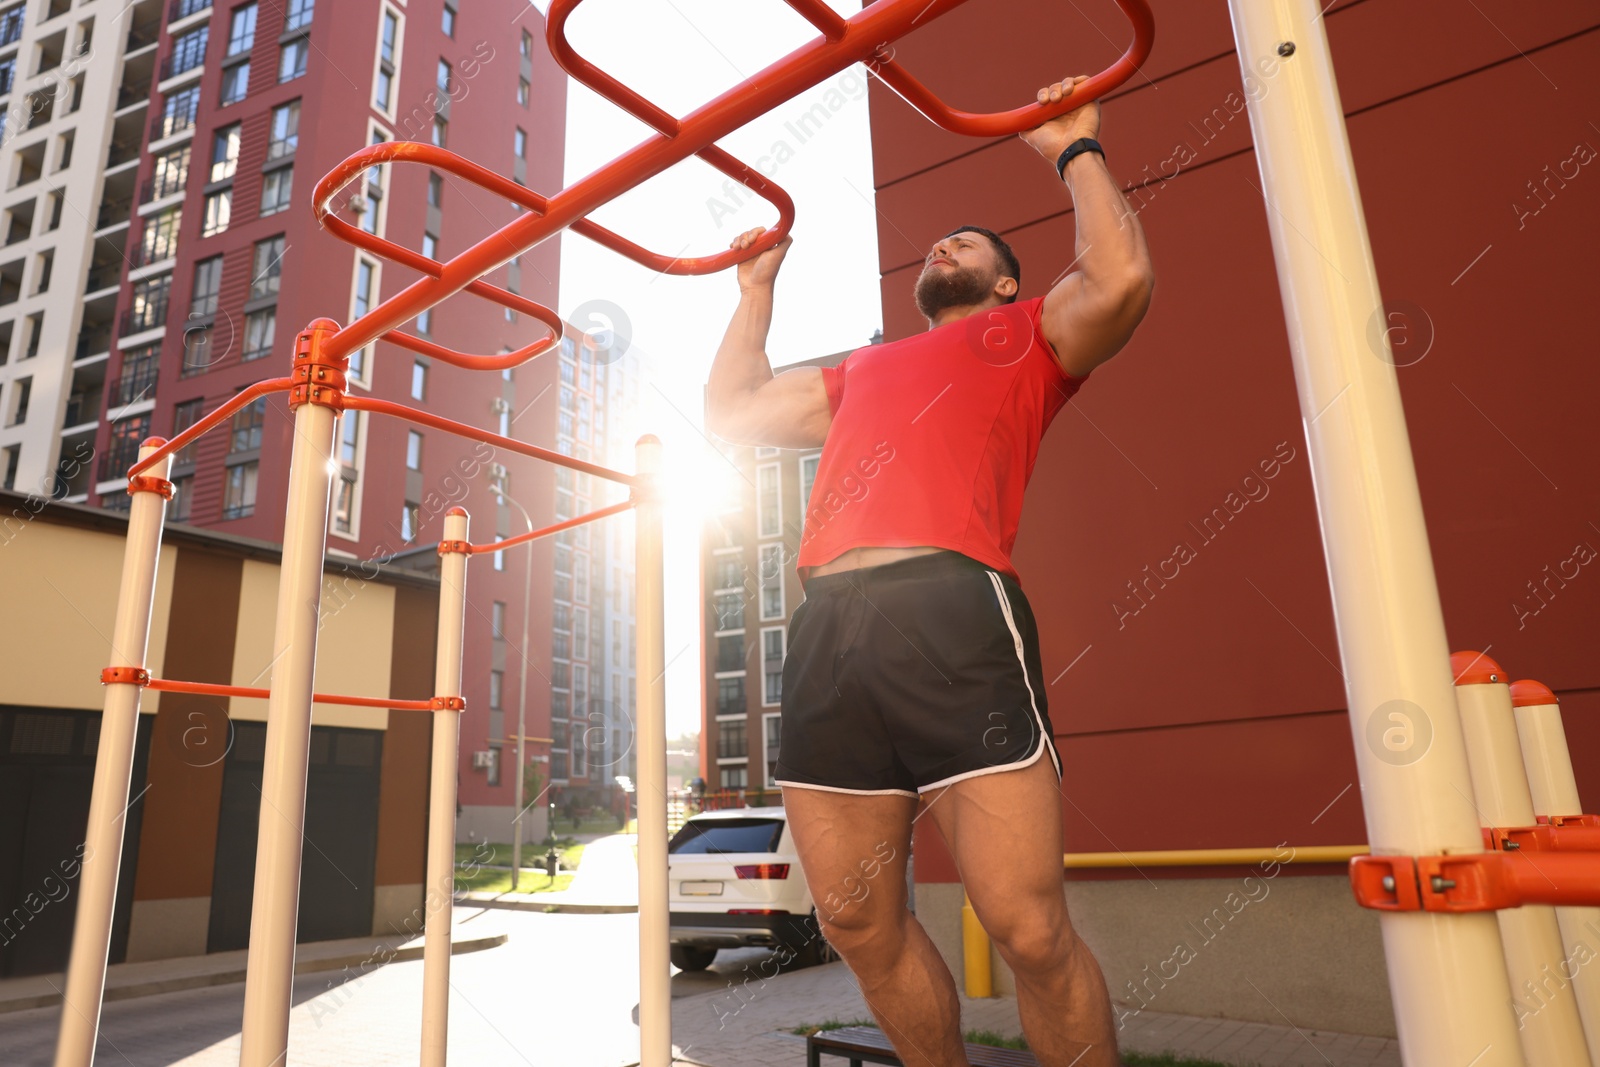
913, 669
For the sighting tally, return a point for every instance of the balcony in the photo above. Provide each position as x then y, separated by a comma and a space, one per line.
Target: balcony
137, 383
113, 213
95, 344
725, 749
81, 408
11, 27
183, 61
102, 277
165, 125
182, 9
153, 251
139, 319
172, 182
119, 457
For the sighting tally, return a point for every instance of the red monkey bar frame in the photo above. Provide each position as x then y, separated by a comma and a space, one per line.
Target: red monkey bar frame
317, 395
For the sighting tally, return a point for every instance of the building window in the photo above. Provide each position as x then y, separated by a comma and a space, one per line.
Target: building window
235, 83
499, 559
182, 491
188, 52
808, 478
430, 245
349, 437
179, 111
224, 152
410, 521
185, 415
298, 14
21, 394
497, 618
285, 136
733, 777
771, 726
441, 130
276, 189
771, 568
239, 491
292, 60
523, 91
259, 327
730, 611
344, 505
527, 45
413, 450
730, 653
435, 189
519, 143
772, 665
170, 175
266, 267
419, 380
218, 210
731, 743
365, 270
148, 308
387, 41
730, 696
160, 237
769, 508
497, 681
242, 30
443, 77
245, 431
207, 284
448, 22
726, 570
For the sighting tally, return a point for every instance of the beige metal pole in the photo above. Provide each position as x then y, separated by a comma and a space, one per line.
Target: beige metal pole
439, 898
269, 965
1546, 1011
1554, 790
655, 993
113, 771
1446, 971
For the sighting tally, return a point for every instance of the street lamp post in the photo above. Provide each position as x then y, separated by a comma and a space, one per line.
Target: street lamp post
522, 686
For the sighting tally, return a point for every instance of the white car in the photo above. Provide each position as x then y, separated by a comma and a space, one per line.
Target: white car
735, 880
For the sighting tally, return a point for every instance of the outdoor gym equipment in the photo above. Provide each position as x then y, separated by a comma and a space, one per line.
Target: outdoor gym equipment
1447, 968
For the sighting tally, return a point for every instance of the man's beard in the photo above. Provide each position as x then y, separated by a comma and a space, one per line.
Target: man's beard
937, 290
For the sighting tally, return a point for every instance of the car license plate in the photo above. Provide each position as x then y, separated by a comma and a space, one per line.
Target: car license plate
700, 889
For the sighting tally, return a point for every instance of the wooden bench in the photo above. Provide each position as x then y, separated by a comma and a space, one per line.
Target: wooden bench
867, 1044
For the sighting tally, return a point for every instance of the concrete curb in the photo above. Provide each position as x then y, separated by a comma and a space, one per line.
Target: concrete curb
542, 902
23, 1001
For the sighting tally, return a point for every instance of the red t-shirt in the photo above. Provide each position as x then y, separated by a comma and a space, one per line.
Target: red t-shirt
934, 438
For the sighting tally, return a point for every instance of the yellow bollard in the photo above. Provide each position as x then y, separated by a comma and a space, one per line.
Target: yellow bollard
975, 952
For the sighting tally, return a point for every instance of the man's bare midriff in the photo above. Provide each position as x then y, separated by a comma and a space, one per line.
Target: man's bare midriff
870, 556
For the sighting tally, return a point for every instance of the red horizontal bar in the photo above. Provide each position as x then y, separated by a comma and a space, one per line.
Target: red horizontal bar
199, 429
1475, 881
1544, 838
566, 524
422, 418
168, 685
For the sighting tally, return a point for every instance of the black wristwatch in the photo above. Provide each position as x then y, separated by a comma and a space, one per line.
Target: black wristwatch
1081, 145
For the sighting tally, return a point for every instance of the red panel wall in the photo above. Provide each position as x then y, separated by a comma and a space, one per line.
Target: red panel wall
1206, 708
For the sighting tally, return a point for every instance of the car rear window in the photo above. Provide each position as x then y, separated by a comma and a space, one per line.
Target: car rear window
717, 836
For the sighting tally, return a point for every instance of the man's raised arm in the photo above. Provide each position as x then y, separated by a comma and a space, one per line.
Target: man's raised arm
745, 402
1091, 313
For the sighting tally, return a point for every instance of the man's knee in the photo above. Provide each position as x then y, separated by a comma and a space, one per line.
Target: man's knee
865, 935
1035, 941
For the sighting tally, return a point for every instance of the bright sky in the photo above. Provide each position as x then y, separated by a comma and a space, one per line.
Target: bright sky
681, 55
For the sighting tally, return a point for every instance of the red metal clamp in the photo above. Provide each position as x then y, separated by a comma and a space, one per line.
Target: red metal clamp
1573, 833
124, 676
317, 378
447, 547
1475, 881
448, 704
149, 483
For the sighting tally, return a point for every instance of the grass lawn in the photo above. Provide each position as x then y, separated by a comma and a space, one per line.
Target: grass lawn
989, 1037
484, 867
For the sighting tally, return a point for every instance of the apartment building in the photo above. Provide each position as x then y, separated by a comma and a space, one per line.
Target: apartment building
160, 255
751, 589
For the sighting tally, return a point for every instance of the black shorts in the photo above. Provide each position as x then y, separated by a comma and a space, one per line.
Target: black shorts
909, 676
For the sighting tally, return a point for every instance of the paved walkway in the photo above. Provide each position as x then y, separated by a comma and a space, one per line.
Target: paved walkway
607, 881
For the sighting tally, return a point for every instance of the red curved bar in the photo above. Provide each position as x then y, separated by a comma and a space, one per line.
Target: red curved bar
239, 400
1018, 120
863, 38
565, 524
167, 685
461, 429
